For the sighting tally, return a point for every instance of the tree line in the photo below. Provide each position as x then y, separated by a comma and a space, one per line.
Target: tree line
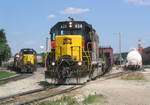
5, 50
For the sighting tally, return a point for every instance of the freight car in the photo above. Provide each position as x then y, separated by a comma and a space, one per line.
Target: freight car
107, 51
27, 61
134, 60
74, 55
40, 60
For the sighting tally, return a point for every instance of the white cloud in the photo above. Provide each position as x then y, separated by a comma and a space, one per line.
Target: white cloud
139, 2
51, 16
30, 42
16, 33
71, 10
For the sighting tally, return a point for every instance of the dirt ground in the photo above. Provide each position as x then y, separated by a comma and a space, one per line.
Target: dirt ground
117, 92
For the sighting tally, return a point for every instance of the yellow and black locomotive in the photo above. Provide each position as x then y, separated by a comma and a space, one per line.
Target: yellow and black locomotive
27, 61
74, 55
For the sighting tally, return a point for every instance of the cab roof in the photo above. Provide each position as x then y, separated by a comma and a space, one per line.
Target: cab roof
67, 22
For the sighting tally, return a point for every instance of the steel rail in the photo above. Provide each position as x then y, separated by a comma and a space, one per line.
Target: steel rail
114, 75
50, 95
14, 78
26, 93
146, 66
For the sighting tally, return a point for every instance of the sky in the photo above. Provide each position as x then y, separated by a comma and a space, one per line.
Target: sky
27, 23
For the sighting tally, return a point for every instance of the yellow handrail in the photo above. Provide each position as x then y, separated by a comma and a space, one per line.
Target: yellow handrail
46, 59
87, 57
89, 54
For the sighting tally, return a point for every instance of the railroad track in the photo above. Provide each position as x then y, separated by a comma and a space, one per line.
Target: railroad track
146, 66
36, 95
118, 74
113, 75
14, 78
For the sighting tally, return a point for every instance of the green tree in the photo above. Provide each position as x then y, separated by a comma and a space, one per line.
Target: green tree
147, 52
5, 51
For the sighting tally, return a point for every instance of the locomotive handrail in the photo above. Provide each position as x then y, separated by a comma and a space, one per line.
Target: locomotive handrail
46, 58
86, 57
89, 54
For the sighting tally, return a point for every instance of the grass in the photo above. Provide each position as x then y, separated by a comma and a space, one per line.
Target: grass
97, 99
4, 74
65, 100
134, 76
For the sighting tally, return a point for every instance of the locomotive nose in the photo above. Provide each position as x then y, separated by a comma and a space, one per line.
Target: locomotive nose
68, 47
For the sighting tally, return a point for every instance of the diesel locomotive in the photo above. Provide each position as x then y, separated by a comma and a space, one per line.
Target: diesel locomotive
26, 60
74, 55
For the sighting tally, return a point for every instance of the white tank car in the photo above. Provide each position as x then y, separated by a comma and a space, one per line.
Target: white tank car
134, 59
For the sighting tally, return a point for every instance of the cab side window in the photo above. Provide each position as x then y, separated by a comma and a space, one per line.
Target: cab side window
53, 37
53, 34
88, 33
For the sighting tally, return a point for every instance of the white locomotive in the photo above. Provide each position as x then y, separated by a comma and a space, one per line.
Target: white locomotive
134, 59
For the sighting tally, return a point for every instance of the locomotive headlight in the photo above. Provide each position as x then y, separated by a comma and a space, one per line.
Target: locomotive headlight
70, 24
53, 63
79, 63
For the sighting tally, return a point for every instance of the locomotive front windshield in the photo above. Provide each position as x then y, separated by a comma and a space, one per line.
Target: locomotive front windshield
71, 32
67, 32
28, 52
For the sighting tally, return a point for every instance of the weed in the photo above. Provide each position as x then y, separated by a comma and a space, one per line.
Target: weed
97, 99
65, 100
134, 76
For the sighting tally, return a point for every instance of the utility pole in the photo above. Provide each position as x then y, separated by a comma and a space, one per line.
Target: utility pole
119, 46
